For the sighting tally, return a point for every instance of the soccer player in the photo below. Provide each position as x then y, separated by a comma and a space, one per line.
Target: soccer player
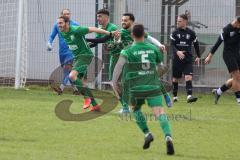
231, 37
74, 36
181, 42
103, 21
65, 55
125, 40
137, 64
226, 86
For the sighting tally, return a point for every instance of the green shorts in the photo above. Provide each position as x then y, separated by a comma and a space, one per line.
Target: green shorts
151, 101
81, 64
113, 61
151, 93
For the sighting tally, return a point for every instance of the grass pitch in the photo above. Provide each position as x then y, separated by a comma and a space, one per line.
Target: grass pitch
30, 130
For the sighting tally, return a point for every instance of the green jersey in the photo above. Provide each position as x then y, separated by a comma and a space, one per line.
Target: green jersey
76, 42
139, 73
126, 40
110, 27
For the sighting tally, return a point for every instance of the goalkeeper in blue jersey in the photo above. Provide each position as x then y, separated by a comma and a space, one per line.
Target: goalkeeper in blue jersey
65, 54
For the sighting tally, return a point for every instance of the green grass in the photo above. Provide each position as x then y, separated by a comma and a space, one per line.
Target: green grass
30, 130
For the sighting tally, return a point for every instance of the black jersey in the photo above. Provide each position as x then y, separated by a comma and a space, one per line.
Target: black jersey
182, 40
231, 38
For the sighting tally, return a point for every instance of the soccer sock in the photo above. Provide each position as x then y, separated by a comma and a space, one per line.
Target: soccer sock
85, 91
78, 84
222, 89
164, 123
124, 104
141, 121
189, 87
237, 94
89, 94
65, 76
175, 89
62, 86
73, 86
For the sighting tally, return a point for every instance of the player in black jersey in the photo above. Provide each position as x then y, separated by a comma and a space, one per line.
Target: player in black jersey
181, 42
231, 37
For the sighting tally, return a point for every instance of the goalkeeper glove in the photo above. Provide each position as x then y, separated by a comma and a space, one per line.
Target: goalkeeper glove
49, 46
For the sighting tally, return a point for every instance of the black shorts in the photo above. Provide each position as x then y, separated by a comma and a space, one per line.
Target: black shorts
232, 61
180, 67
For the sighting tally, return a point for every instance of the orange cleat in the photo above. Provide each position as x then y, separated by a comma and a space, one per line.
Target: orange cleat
95, 108
87, 103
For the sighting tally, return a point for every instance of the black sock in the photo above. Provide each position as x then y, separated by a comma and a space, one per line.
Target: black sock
237, 94
175, 88
224, 88
189, 87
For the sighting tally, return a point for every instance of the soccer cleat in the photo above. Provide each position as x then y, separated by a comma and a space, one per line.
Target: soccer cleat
95, 108
169, 145
216, 96
58, 90
175, 99
87, 103
191, 99
147, 140
168, 100
124, 111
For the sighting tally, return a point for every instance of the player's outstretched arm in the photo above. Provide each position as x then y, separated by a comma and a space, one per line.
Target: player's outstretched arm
156, 42
52, 37
99, 40
98, 30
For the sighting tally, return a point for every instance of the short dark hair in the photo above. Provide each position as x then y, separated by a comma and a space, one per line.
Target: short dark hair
130, 15
183, 16
66, 19
103, 11
66, 10
138, 30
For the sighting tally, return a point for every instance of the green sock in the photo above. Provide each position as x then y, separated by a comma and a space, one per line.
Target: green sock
78, 84
164, 124
85, 91
89, 94
141, 121
124, 104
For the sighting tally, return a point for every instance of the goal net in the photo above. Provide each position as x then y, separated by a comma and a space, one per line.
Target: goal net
13, 39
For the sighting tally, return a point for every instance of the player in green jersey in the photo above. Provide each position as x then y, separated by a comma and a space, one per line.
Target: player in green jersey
137, 64
116, 46
128, 20
74, 36
103, 21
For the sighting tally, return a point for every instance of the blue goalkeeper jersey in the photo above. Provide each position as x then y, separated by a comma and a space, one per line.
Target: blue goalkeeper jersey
65, 54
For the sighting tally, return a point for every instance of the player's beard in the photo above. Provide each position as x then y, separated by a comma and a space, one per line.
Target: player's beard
125, 26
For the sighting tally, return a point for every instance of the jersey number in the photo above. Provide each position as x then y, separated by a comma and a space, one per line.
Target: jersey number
145, 61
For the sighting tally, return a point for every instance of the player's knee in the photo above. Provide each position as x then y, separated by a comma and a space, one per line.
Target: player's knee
157, 111
72, 77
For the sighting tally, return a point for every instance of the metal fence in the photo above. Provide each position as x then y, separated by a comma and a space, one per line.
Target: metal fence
207, 17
